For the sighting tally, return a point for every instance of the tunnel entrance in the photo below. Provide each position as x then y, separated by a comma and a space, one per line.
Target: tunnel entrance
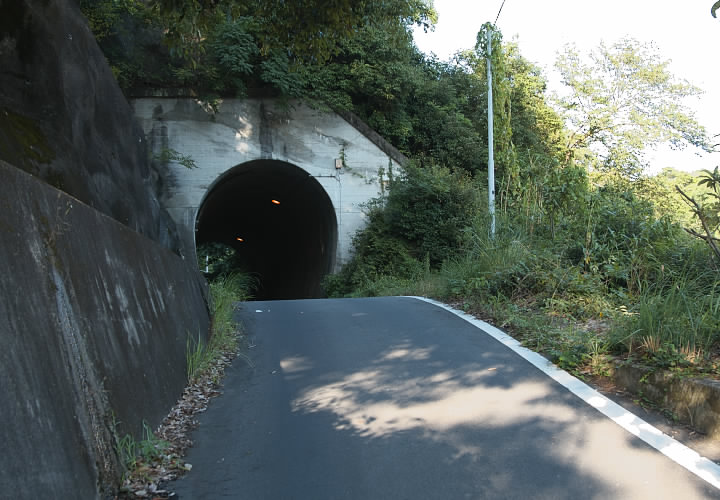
279, 220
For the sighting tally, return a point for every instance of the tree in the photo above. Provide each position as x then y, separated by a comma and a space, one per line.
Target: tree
426, 108
537, 128
708, 213
538, 138
305, 29
624, 101
224, 47
505, 154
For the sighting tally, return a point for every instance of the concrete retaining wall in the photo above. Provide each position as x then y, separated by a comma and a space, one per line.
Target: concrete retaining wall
64, 119
93, 323
695, 402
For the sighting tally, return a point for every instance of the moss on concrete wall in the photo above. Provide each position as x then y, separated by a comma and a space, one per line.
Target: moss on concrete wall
23, 144
64, 119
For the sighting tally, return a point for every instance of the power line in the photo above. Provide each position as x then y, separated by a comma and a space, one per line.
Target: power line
499, 11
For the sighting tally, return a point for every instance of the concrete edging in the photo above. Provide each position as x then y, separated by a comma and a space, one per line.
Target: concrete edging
692, 401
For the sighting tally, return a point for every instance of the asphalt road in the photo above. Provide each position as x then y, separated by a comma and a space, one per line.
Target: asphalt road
395, 398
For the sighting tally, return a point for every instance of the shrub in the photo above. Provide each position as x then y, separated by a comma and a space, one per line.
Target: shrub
377, 254
430, 209
422, 222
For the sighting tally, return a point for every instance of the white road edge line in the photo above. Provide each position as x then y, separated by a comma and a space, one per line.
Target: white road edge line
676, 451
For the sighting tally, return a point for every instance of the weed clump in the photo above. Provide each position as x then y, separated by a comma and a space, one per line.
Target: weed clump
225, 292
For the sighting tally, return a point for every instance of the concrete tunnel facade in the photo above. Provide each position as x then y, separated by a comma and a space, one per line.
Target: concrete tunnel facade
320, 167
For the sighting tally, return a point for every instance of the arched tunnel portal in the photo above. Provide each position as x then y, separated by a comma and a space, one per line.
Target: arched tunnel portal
281, 223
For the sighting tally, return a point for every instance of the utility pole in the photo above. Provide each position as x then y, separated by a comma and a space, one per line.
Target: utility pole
491, 146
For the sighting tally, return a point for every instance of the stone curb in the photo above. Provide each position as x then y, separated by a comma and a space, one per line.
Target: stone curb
695, 402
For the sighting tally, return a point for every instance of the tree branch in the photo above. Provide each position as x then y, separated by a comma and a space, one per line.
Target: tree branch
698, 235
697, 210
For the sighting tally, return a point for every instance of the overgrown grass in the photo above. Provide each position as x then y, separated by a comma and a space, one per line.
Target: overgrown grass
149, 448
138, 455
673, 323
225, 291
596, 274
665, 310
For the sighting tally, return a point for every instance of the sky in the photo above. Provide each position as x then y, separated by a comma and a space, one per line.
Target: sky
684, 32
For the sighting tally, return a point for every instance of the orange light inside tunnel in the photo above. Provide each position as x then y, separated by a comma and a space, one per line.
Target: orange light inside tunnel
274, 202
239, 238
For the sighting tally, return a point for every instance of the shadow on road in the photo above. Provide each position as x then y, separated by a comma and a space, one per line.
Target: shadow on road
396, 398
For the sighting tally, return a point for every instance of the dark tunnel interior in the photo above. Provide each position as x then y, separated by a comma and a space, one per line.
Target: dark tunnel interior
281, 223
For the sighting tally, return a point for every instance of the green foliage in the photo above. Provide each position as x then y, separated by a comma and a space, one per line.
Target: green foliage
420, 224
195, 355
545, 191
418, 103
678, 314
126, 448
711, 199
313, 30
660, 191
580, 352
430, 208
707, 210
150, 448
218, 260
224, 47
378, 254
490, 265
515, 265
624, 101
168, 155
542, 182
537, 129
233, 49
225, 291
104, 16
620, 229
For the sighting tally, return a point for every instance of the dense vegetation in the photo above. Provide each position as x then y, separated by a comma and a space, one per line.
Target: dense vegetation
591, 255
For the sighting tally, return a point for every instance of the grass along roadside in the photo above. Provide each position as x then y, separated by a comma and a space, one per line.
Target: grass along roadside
225, 291
575, 305
604, 272
671, 327
158, 458
602, 335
